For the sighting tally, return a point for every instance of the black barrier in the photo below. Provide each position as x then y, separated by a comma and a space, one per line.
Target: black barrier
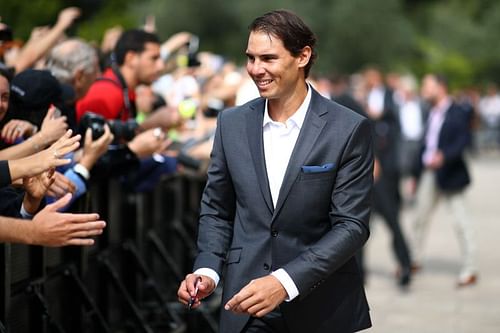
126, 282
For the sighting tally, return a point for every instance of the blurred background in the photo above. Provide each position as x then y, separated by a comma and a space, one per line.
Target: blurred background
457, 37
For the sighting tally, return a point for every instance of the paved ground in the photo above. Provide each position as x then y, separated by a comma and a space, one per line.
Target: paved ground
433, 304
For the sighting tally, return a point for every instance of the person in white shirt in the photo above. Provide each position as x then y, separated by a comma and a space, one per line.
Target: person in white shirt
287, 201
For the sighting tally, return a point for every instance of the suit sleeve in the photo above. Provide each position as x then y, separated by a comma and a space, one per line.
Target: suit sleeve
349, 215
4, 173
217, 209
460, 133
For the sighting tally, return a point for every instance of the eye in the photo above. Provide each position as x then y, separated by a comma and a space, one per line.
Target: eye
269, 58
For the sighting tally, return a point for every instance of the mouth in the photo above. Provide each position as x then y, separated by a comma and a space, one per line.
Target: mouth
263, 83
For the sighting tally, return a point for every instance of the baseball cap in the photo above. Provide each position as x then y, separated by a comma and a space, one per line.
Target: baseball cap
31, 94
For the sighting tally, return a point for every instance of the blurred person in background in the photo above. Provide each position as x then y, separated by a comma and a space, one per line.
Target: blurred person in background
31, 124
411, 121
341, 93
49, 227
382, 110
489, 111
443, 174
74, 63
42, 39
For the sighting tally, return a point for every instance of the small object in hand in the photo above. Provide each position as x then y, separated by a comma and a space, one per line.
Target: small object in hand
157, 133
193, 298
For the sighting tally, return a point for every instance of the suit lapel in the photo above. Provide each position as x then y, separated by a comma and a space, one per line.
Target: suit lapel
255, 119
309, 133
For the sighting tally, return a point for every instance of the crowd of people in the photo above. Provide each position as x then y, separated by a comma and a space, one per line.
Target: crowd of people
139, 108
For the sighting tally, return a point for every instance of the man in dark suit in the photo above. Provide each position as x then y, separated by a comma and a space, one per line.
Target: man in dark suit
287, 201
443, 172
382, 110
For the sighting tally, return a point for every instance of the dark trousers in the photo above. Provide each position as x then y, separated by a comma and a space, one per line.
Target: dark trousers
273, 322
386, 202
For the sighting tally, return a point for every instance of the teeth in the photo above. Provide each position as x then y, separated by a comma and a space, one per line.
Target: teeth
264, 82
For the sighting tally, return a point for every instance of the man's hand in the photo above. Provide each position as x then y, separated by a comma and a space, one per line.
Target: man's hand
53, 127
437, 160
259, 297
36, 187
60, 186
187, 289
93, 149
149, 142
51, 228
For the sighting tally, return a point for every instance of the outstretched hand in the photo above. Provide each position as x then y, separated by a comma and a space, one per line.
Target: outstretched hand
51, 228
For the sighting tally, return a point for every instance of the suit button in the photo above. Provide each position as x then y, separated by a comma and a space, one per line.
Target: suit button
266, 267
274, 233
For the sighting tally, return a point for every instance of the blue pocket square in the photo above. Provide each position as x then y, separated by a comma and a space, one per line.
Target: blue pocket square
317, 168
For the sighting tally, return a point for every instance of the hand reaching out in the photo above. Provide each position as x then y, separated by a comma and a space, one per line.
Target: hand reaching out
37, 186
51, 228
16, 129
149, 142
46, 159
67, 16
61, 186
93, 149
53, 128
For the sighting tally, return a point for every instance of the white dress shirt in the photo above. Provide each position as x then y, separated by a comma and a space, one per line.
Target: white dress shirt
279, 142
376, 98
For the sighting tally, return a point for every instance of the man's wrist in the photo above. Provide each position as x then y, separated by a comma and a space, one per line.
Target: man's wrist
208, 272
287, 283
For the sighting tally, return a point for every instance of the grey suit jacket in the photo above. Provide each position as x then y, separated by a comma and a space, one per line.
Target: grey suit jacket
320, 220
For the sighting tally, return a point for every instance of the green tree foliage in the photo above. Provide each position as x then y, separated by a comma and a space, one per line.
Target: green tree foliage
456, 37
22, 16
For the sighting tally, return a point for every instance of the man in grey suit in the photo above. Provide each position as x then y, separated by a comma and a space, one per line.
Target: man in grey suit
287, 201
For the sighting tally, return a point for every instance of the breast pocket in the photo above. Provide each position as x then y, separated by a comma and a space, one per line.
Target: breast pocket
308, 176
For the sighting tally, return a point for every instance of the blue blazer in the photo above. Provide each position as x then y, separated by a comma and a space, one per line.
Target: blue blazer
454, 138
319, 223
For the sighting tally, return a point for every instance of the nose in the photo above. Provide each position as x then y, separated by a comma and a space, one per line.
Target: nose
255, 68
160, 65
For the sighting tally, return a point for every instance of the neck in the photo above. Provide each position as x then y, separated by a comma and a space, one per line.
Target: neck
441, 99
282, 108
128, 76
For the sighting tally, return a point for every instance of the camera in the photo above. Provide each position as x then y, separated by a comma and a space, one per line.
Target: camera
122, 130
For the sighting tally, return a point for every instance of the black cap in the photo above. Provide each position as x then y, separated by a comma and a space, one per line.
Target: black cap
34, 90
31, 94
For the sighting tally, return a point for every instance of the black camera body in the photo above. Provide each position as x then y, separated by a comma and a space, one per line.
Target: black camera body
122, 130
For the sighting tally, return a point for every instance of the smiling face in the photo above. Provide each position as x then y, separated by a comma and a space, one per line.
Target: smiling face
276, 73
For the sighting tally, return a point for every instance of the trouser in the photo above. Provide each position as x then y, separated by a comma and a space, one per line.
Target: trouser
387, 203
428, 196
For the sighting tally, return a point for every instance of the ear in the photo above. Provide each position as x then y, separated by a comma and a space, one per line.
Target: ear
304, 57
130, 58
77, 78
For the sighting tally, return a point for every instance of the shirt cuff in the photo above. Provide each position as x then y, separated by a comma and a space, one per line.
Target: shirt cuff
287, 283
210, 273
80, 169
164, 54
25, 214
